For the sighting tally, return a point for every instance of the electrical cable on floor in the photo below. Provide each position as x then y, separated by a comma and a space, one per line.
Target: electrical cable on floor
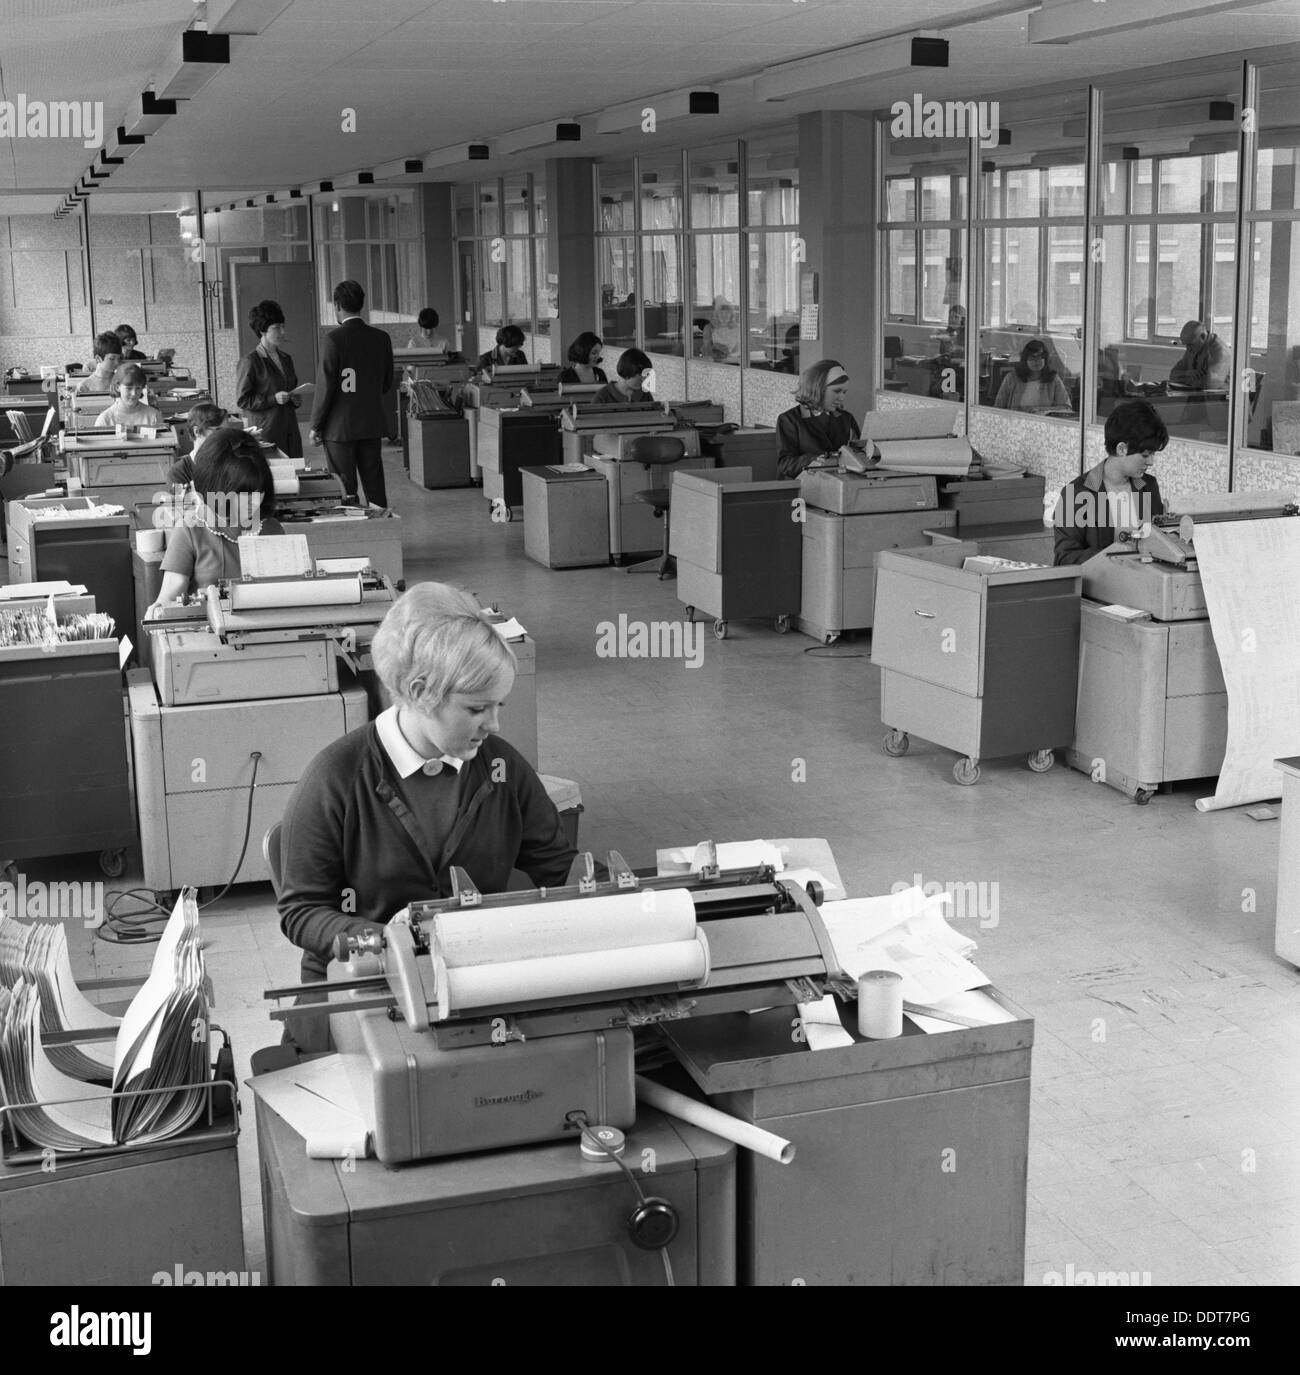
826, 652
134, 928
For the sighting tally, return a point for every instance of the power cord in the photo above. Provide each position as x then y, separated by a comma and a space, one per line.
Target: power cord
134, 928
654, 1222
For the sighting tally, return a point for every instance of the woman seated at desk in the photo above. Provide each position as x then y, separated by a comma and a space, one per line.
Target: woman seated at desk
584, 368
1119, 493
236, 496
508, 353
129, 409
1033, 384
129, 339
819, 425
108, 358
381, 815
722, 334
634, 370
204, 419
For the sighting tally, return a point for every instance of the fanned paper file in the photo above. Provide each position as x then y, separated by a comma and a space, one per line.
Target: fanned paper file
161, 1044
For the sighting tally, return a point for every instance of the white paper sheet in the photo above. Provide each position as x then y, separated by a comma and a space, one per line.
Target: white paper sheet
317, 1100
274, 556
822, 1027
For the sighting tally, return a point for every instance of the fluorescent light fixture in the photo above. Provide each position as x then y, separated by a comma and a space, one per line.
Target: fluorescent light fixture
270, 200
295, 193
1064, 21
622, 119
125, 144
244, 16
1189, 115
324, 188
106, 161
195, 60
147, 114
851, 66
399, 167
350, 179
480, 152
537, 136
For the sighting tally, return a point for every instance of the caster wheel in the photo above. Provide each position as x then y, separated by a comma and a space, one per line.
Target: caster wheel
720, 629
113, 862
831, 637
690, 615
966, 772
897, 743
1041, 760
782, 625
1143, 796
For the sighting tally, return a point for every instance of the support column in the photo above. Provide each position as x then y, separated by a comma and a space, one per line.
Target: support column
571, 249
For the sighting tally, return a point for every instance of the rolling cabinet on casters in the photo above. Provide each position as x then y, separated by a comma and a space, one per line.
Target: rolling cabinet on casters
985, 663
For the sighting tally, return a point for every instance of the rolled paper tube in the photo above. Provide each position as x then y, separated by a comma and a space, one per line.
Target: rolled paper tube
317, 592
338, 1145
880, 1004
711, 1120
286, 486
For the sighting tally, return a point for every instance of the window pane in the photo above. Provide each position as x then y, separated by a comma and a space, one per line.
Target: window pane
617, 267
772, 166
661, 193
715, 292
1274, 421
715, 186
489, 287
900, 198
515, 203
489, 210
900, 269
1065, 279
547, 288
519, 291
662, 299
773, 341
616, 196
539, 205
1011, 278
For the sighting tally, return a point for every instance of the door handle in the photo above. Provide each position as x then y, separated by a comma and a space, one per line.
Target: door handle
929, 615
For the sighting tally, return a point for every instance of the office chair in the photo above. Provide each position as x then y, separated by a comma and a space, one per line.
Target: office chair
271, 854
657, 453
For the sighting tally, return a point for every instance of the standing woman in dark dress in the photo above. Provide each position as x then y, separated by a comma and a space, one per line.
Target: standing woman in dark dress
263, 390
819, 424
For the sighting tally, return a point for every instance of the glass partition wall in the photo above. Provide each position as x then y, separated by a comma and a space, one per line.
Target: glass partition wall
45, 312
1140, 290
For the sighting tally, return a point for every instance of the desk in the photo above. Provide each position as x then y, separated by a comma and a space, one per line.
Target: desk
438, 449
1026, 541
534, 1215
738, 552
1287, 932
867, 1201
984, 663
122, 1219
566, 517
1153, 706
509, 440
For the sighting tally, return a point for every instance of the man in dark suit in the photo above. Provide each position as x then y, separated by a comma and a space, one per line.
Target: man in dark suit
356, 369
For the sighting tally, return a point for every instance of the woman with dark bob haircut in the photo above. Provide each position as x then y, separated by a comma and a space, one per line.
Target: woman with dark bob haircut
509, 352
1033, 384
264, 387
584, 360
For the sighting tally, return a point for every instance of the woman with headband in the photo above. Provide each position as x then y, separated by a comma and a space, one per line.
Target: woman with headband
819, 425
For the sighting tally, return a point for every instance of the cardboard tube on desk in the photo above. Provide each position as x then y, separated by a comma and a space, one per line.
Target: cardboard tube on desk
721, 1124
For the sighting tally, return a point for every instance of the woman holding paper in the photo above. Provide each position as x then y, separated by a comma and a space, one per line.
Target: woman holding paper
819, 425
236, 495
381, 815
267, 380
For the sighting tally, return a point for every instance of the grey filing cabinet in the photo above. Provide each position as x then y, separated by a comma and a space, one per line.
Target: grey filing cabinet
122, 1218
1153, 706
993, 501
849, 518
438, 449
985, 663
532, 1215
872, 1196
566, 517
737, 545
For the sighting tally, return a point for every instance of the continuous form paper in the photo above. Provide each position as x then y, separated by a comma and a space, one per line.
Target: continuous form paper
944, 456
905, 932
919, 422
317, 592
822, 1028
1250, 570
317, 1100
274, 556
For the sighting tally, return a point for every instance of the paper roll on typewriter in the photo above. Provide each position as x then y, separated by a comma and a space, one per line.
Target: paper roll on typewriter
563, 949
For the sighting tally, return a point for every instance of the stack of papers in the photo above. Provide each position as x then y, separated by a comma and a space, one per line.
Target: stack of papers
905, 932
162, 1043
